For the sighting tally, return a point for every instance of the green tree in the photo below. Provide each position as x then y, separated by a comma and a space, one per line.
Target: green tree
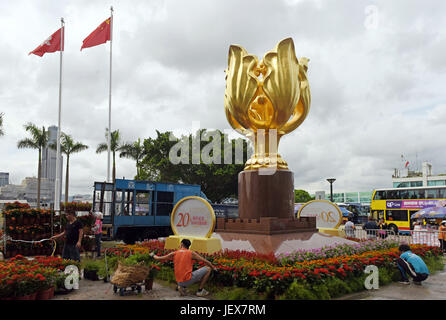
2, 132
68, 147
302, 196
115, 144
39, 140
135, 151
217, 180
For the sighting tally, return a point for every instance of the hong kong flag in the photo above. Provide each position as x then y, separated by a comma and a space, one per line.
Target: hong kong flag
51, 44
99, 36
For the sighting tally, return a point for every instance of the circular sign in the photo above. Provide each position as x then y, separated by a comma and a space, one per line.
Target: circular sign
328, 215
193, 216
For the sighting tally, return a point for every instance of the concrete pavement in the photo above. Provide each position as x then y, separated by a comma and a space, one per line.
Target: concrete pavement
433, 288
100, 290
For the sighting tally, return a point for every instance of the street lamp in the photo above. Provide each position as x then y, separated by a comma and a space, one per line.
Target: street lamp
331, 180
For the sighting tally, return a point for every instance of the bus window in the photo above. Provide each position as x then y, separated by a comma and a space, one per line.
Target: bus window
380, 195
394, 194
432, 193
164, 203
442, 193
377, 214
404, 194
417, 194
396, 215
118, 202
142, 203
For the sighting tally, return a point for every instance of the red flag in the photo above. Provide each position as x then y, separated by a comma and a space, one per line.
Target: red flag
51, 44
407, 163
99, 36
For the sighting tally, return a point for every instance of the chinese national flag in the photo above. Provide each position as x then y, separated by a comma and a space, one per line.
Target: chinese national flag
51, 44
99, 36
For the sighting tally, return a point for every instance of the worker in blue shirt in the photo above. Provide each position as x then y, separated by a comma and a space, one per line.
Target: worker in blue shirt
411, 264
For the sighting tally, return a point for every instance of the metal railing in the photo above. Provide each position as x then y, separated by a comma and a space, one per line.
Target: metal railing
373, 234
427, 237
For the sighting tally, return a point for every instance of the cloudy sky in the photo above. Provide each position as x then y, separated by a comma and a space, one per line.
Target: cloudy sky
376, 72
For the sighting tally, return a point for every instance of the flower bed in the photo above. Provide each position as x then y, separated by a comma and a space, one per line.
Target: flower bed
21, 278
336, 251
331, 268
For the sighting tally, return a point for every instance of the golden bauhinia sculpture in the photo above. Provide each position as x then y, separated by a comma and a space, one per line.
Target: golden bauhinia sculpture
266, 100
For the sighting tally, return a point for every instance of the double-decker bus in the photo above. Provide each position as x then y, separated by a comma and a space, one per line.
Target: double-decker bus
396, 205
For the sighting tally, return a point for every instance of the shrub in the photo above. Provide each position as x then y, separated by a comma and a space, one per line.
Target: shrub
321, 291
91, 265
298, 291
235, 293
336, 287
385, 276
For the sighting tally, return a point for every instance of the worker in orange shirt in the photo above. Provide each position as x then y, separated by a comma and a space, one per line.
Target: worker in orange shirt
442, 235
184, 275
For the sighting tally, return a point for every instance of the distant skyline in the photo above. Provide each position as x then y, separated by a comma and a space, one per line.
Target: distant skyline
376, 73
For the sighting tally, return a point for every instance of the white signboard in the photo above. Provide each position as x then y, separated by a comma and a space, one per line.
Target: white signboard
194, 217
328, 215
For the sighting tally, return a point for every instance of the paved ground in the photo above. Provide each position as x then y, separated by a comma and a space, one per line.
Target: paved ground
99, 290
434, 288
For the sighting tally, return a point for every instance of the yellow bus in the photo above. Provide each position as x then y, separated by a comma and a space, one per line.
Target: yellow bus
396, 205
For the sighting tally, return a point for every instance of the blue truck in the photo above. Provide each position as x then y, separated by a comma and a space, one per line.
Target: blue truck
135, 210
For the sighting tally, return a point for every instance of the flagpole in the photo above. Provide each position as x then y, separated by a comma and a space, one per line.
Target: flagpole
58, 164
109, 98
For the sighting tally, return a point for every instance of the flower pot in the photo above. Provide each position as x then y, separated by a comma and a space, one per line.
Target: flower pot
28, 297
45, 294
52, 292
148, 284
91, 275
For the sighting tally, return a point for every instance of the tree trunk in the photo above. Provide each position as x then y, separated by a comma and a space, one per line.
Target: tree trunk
67, 180
39, 175
114, 169
137, 169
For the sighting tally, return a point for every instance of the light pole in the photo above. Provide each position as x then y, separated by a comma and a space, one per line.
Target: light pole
331, 180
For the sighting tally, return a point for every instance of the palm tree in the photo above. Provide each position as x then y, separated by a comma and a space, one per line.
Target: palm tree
135, 151
68, 146
1, 124
115, 141
39, 140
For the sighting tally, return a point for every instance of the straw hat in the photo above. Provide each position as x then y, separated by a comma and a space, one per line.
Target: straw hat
443, 222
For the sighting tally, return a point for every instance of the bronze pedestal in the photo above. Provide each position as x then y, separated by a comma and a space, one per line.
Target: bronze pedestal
266, 206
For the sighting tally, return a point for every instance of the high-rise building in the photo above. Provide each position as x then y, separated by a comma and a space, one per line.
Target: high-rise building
28, 191
4, 178
49, 157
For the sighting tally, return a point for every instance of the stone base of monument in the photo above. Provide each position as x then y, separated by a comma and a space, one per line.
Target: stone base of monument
265, 195
332, 231
277, 243
199, 244
266, 225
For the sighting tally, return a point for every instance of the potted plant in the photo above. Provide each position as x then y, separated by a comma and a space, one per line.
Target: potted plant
25, 288
148, 283
45, 289
91, 269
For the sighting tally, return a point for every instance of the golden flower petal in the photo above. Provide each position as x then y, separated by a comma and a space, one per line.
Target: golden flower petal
281, 84
241, 84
